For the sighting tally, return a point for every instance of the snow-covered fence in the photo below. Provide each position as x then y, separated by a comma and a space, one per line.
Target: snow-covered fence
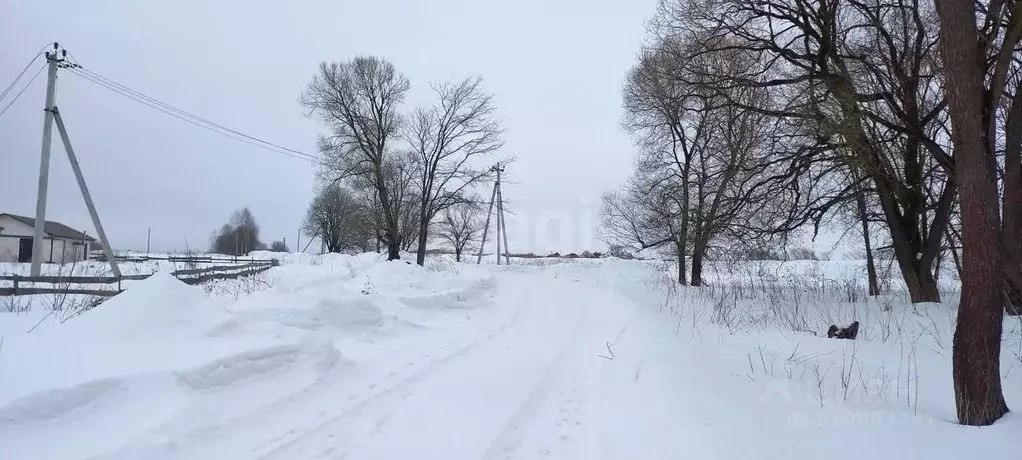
221, 259
86, 284
18, 282
223, 272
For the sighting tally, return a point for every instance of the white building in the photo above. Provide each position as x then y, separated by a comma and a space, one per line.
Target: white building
61, 244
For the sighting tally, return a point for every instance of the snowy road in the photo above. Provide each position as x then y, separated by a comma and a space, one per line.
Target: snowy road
526, 386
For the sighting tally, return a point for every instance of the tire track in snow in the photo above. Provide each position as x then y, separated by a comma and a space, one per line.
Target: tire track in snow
389, 398
469, 405
285, 419
508, 441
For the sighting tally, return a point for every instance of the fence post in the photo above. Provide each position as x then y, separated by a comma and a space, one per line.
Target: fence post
118, 283
15, 284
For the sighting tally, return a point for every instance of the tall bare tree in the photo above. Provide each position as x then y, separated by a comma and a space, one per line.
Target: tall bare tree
358, 101
449, 139
668, 135
974, 87
700, 153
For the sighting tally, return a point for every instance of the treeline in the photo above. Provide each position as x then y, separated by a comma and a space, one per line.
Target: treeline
240, 236
758, 118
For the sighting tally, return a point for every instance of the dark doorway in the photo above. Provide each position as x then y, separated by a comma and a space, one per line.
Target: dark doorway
25, 250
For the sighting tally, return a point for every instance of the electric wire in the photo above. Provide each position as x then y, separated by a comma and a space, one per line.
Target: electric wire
189, 115
183, 115
27, 66
16, 96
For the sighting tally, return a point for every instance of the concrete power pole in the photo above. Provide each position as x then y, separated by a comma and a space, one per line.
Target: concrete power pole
55, 60
496, 199
501, 222
52, 60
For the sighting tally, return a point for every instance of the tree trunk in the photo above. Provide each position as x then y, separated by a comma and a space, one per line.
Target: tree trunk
420, 253
682, 241
977, 340
394, 250
1012, 206
391, 229
680, 244
698, 252
918, 276
871, 269
680, 247
457, 254
922, 287
913, 253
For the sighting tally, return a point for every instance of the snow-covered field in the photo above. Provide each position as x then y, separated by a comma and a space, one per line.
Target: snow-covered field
352, 357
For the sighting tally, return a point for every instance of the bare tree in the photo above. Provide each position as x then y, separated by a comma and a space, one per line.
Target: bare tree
401, 173
340, 220
448, 140
641, 217
461, 225
977, 340
853, 86
700, 153
668, 135
358, 101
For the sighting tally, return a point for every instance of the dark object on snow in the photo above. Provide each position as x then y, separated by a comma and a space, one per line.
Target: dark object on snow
849, 332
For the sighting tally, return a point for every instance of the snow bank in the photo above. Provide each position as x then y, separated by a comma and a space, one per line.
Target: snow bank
160, 304
161, 325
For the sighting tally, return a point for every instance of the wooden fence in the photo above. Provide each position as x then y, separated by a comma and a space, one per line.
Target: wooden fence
63, 284
101, 257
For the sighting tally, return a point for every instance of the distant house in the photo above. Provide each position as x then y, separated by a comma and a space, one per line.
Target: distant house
61, 244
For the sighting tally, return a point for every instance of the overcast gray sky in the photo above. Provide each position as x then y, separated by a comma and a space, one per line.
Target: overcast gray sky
555, 68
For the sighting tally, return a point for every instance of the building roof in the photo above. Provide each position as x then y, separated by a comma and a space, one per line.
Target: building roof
53, 229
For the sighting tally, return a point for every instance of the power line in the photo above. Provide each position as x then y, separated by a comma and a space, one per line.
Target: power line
191, 119
16, 96
175, 109
27, 66
188, 117
183, 115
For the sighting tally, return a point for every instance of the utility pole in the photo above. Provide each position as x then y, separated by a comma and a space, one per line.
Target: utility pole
496, 199
496, 188
52, 60
148, 238
51, 115
503, 223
